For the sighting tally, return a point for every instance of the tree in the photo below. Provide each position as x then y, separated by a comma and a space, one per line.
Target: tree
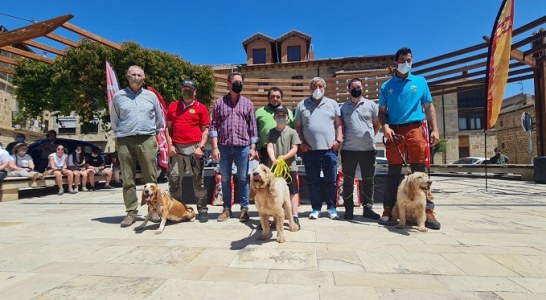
76, 82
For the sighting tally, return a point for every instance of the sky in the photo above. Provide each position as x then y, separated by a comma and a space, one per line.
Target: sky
211, 32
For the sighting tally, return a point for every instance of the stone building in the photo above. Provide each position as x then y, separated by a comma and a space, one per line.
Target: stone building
460, 115
512, 139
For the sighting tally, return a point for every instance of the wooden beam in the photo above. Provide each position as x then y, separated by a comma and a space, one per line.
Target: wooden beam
26, 54
516, 54
35, 30
7, 70
8, 60
91, 36
62, 40
44, 47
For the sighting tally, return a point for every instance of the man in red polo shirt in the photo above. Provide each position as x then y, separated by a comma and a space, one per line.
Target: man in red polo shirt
187, 133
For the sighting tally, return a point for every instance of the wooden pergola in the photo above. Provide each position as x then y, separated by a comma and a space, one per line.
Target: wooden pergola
464, 70
26, 35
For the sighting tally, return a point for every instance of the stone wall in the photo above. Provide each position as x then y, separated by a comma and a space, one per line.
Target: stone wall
512, 139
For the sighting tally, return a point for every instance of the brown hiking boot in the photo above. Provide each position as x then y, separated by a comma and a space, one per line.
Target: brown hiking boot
225, 215
129, 219
431, 221
244, 217
386, 216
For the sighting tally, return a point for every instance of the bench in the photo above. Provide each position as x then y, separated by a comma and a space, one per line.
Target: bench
10, 186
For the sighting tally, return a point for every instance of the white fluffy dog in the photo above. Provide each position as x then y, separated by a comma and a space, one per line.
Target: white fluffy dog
272, 198
411, 200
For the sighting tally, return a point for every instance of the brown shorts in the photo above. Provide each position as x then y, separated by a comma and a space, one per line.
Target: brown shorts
413, 147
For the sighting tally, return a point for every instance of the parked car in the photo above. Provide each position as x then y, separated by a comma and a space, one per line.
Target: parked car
472, 160
40, 157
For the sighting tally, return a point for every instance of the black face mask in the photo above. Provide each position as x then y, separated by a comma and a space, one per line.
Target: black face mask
273, 106
237, 87
356, 93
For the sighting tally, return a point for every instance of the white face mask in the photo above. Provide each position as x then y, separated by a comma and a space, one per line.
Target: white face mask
78, 151
317, 94
404, 68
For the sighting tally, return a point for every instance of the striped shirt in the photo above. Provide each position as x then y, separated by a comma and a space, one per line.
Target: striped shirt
234, 124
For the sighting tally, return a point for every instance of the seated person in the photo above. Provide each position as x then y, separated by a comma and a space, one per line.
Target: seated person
95, 165
76, 164
22, 164
4, 163
58, 166
116, 169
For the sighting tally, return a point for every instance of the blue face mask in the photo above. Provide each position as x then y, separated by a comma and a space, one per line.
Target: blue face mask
19, 139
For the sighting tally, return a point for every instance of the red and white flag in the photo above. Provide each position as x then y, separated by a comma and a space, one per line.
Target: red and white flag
161, 136
427, 142
111, 84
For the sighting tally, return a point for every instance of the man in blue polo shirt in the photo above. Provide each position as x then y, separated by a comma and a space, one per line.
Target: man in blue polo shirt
401, 102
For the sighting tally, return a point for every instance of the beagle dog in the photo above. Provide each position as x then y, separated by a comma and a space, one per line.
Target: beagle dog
165, 206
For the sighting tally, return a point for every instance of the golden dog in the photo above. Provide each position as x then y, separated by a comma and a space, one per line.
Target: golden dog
272, 198
411, 200
165, 206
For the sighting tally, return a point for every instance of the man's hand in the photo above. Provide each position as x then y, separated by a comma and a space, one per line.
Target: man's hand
251, 154
216, 154
172, 150
434, 137
304, 147
335, 146
198, 153
388, 133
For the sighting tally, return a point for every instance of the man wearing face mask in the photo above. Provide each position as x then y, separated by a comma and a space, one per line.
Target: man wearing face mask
233, 135
136, 119
401, 102
266, 122
360, 125
319, 126
187, 134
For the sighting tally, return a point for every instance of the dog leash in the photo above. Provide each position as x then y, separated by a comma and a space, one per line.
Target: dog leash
399, 139
281, 169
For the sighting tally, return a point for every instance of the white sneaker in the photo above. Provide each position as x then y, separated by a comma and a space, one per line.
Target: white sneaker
314, 215
332, 214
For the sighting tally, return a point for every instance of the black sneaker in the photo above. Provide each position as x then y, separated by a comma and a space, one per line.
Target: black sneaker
203, 217
349, 213
370, 214
431, 221
297, 221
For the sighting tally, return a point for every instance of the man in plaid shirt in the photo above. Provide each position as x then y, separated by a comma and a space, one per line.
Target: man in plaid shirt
234, 134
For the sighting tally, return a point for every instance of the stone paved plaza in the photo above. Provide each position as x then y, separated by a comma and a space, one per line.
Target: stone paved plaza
492, 245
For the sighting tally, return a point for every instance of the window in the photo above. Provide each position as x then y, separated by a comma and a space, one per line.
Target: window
90, 128
294, 53
67, 125
258, 56
470, 123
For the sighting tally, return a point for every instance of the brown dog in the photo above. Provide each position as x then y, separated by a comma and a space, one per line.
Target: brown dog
165, 206
411, 200
272, 198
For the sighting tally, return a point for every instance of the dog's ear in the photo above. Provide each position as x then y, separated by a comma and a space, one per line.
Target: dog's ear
409, 187
142, 201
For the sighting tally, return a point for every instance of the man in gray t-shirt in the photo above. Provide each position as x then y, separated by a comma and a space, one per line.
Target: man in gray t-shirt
360, 125
319, 126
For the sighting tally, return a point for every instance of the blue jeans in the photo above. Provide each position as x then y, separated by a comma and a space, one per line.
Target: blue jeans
239, 155
314, 161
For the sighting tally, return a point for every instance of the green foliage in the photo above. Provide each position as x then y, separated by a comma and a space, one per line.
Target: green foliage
441, 147
77, 81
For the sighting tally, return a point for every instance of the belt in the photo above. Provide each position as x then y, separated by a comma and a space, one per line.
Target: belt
411, 124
